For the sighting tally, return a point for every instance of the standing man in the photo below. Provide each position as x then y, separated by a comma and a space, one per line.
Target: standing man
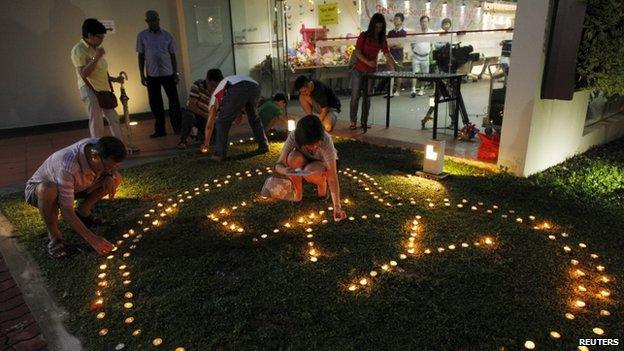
396, 50
316, 97
420, 55
85, 170
158, 67
233, 94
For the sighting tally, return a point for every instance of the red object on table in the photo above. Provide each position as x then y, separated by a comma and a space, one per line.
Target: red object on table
488, 150
311, 35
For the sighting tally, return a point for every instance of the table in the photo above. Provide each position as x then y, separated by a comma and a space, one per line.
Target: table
441, 88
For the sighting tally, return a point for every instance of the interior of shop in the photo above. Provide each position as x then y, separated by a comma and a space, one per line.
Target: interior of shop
301, 38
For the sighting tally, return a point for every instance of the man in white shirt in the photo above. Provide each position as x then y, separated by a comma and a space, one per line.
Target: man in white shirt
420, 55
233, 94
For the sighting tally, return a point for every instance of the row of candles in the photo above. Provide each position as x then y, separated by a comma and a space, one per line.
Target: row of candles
156, 217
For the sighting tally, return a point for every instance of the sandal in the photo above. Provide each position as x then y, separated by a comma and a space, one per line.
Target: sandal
57, 249
90, 221
353, 126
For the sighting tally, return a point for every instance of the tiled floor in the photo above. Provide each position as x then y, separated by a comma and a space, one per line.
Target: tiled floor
21, 156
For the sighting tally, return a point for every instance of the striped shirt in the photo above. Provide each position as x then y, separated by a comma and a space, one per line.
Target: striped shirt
199, 98
69, 169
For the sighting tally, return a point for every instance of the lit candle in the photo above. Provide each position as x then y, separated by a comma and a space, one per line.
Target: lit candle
529, 345
555, 335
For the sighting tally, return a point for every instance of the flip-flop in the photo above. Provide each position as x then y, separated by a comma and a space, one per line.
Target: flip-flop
353, 127
57, 249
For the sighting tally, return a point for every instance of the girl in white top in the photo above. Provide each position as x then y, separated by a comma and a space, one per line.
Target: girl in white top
311, 149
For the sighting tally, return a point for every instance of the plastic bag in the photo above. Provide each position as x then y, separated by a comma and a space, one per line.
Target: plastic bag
488, 149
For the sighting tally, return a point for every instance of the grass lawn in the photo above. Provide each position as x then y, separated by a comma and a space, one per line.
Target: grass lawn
475, 280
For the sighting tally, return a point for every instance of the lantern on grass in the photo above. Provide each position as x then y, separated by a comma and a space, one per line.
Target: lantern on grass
433, 163
291, 125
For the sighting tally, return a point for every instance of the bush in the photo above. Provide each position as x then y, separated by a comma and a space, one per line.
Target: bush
600, 60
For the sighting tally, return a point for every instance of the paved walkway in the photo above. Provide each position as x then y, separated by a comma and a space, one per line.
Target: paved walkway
18, 328
21, 156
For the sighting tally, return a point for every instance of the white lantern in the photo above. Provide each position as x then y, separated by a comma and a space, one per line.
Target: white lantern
291, 125
433, 162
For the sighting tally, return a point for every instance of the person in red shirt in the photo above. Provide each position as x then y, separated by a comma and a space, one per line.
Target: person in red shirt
367, 48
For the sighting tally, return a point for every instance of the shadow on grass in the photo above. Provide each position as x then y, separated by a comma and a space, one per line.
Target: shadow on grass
198, 286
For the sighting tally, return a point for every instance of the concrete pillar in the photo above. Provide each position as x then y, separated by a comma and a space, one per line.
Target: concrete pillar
536, 134
525, 75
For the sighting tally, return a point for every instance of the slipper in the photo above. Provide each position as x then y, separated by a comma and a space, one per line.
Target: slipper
57, 249
90, 221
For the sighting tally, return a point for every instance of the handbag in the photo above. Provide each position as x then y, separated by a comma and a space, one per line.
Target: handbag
278, 187
106, 99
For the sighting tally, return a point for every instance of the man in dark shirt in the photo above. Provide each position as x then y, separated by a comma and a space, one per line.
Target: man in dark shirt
396, 50
316, 97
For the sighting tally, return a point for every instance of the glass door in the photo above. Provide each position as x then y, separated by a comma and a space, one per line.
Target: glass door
257, 37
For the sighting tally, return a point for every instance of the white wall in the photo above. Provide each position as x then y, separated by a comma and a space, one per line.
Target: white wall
204, 56
39, 81
537, 134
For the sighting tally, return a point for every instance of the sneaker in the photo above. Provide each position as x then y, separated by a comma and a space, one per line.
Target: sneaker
396, 93
413, 94
421, 92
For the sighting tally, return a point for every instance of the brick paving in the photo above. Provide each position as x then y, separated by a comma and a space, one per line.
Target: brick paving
18, 329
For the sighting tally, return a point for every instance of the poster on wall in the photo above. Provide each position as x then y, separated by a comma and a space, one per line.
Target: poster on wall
208, 24
328, 14
109, 25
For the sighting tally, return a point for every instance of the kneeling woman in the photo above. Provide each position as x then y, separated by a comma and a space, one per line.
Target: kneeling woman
310, 149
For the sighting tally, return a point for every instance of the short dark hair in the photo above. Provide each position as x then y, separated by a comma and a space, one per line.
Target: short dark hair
280, 97
111, 147
423, 17
93, 27
400, 15
214, 75
301, 81
447, 20
309, 130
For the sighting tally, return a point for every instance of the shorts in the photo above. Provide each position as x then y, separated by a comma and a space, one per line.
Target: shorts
30, 194
420, 66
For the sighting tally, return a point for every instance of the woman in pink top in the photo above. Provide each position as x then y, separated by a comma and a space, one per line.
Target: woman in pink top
367, 48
